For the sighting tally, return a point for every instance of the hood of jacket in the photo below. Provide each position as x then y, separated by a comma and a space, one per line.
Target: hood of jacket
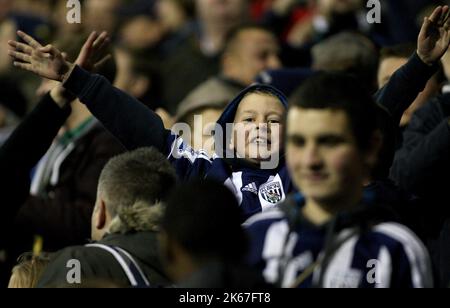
229, 114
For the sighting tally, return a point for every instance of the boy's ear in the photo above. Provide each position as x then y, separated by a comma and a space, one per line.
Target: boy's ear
373, 151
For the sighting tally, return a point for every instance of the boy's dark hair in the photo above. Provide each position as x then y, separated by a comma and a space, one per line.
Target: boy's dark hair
340, 91
205, 219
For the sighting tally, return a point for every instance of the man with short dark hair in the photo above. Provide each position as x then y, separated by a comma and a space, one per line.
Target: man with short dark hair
249, 50
334, 236
202, 240
124, 222
347, 52
196, 58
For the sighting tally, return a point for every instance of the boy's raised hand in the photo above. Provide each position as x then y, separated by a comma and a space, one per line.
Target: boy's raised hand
48, 62
434, 36
94, 52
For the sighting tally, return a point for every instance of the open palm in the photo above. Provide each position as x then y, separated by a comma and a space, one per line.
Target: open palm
434, 37
48, 62
94, 52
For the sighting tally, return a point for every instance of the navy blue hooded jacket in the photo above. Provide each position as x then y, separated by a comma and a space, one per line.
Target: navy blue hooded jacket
137, 126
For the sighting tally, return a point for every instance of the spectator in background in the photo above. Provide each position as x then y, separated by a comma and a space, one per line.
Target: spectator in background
28, 271
391, 59
7, 32
20, 14
421, 167
402, 19
201, 240
137, 74
100, 15
59, 21
330, 17
347, 52
145, 23
13, 107
197, 57
141, 32
125, 222
175, 15
249, 50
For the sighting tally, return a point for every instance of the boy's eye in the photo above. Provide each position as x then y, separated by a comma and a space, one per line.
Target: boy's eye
274, 121
247, 120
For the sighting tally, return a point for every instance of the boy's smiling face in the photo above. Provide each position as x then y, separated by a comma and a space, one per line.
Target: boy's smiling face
257, 129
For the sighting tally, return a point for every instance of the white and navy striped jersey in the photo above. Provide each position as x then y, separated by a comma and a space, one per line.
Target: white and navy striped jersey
255, 189
387, 255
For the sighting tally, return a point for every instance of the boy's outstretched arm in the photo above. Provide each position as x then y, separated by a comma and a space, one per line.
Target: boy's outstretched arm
125, 117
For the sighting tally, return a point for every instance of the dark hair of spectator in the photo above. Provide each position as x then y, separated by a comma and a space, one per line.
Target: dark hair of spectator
143, 175
205, 219
340, 91
233, 34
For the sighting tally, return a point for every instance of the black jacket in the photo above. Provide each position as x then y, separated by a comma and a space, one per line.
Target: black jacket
422, 167
99, 266
63, 216
21, 152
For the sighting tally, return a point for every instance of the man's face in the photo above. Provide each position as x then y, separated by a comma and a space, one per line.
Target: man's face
257, 127
100, 15
5, 6
256, 51
338, 6
222, 10
387, 68
202, 123
322, 155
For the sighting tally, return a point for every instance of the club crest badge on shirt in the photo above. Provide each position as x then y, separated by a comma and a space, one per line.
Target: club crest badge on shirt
271, 193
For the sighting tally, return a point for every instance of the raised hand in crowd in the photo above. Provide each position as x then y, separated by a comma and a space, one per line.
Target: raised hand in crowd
49, 62
434, 37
